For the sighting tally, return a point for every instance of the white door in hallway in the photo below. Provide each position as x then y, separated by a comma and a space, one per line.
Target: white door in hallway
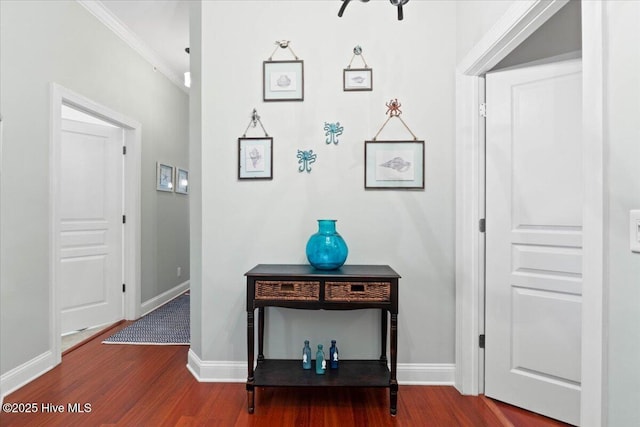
90, 200
534, 238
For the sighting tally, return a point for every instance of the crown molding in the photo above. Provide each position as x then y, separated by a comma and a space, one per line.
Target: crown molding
112, 22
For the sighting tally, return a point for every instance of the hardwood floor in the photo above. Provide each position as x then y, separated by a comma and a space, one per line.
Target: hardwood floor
130, 385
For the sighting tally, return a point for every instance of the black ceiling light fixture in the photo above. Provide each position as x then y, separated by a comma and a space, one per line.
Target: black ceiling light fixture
397, 3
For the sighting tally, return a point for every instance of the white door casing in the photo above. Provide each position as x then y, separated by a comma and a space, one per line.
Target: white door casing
132, 131
90, 273
534, 200
521, 19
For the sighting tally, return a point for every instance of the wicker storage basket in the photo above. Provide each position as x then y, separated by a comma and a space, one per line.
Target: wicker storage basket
357, 291
285, 290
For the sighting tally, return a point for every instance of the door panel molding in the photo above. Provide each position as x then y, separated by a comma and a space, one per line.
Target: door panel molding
91, 196
534, 335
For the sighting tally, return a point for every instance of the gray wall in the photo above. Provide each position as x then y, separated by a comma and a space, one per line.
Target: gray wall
61, 42
195, 180
246, 223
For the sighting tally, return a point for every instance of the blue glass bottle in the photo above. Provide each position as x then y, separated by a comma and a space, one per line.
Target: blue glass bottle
306, 355
321, 364
333, 355
326, 249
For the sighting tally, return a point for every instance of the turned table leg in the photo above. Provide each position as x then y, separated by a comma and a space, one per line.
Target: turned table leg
393, 383
260, 334
250, 352
383, 336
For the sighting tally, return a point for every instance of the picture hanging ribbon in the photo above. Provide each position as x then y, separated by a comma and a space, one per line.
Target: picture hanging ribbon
283, 44
393, 110
253, 122
357, 51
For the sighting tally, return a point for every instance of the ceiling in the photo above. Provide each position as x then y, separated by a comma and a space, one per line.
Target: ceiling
161, 25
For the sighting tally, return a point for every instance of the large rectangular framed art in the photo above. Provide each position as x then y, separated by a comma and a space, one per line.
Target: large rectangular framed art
256, 158
283, 80
394, 165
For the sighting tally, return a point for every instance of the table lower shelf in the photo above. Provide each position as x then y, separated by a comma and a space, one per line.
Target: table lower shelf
351, 373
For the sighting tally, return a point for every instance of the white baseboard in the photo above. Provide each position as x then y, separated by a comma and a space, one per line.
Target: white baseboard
235, 372
426, 373
150, 305
25, 373
217, 372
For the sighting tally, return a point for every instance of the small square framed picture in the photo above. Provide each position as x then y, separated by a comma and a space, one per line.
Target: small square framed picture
394, 165
255, 156
182, 181
164, 177
283, 80
355, 79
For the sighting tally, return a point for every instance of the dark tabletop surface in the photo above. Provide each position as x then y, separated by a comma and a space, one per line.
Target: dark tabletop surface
346, 271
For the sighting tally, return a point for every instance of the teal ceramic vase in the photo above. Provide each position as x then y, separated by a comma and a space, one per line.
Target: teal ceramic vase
326, 249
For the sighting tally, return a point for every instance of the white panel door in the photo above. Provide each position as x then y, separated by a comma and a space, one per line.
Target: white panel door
90, 203
534, 238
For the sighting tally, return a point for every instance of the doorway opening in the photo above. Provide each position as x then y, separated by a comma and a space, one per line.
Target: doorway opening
520, 21
91, 209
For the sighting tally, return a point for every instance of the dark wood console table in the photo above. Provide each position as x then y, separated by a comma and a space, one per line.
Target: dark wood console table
351, 287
